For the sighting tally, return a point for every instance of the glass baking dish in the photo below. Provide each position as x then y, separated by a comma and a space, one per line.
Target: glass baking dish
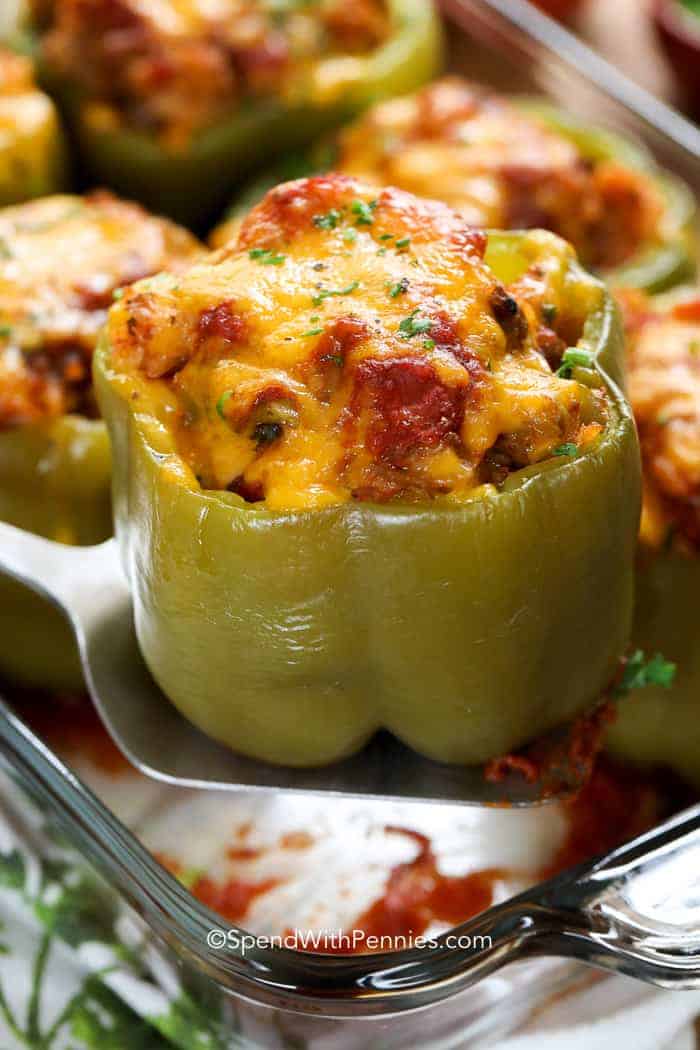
322, 860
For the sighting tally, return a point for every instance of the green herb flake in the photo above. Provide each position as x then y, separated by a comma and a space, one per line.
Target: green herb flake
429, 344
386, 237
326, 293
414, 325
334, 359
399, 288
118, 293
403, 243
329, 221
350, 235
363, 211
266, 257
640, 672
312, 331
221, 403
567, 449
574, 358
5, 331
381, 251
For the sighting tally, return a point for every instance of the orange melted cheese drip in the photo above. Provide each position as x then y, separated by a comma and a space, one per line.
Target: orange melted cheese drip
354, 346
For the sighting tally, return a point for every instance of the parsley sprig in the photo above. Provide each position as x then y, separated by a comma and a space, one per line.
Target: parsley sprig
327, 293
266, 257
640, 672
363, 212
415, 325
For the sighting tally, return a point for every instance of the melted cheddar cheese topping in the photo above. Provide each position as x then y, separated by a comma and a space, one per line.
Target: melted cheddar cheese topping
502, 167
61, 260
664, 388
356, 345
173, 67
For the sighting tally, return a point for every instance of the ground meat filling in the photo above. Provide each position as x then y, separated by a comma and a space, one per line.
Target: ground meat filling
62, 259
173, 69
504, 169
664, 385
357, 346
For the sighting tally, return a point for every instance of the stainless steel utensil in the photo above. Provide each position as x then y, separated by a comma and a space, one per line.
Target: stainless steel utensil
87, 585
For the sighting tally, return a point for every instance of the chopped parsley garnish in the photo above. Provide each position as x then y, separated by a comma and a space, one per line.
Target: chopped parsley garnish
573, 358
414, 325
312, 331
567, 449
117, 293
5, 331
221, 403
350, 235
399, 288
363, 211
639, 672
266, 433
326, 293
335, 359
329, 221
381, 251
429, 344
403, 243
386, 237
266, 256
549, 312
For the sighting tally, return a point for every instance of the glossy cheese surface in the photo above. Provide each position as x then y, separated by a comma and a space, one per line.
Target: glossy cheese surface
355, 345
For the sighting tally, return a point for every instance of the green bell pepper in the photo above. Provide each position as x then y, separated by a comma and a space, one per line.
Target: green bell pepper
192, 184
664, 264
61, 257
465, 629
33, 157
663, 725
55, 481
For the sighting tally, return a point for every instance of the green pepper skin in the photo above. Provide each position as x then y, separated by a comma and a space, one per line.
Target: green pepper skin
55, 481
191, 186
466, 630
663, 725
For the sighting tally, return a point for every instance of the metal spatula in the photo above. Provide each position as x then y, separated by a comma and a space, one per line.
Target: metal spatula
88, 586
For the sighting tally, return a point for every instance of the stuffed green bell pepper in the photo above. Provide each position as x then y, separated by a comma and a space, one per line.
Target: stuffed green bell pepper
62, 259
172, 103
370, 474
663, 725
32, 150
518, 164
